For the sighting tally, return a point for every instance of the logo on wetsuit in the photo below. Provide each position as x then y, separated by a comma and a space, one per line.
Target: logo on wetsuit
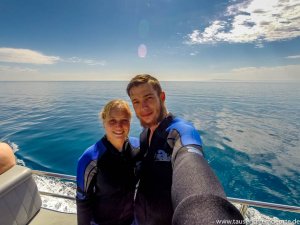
161, 155
194, 150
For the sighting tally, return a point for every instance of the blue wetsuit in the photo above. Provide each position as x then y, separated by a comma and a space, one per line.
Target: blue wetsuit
106, 184
153, 205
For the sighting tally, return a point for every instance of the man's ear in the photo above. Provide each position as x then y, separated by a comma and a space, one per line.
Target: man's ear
163, 96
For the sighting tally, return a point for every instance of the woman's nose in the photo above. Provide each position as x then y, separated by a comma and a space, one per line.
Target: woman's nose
119, 124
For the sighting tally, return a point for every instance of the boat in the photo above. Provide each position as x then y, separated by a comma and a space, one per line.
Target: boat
20, 200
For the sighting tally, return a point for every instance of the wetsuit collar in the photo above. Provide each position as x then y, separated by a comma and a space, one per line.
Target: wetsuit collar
112, 148
165, 122
162, 126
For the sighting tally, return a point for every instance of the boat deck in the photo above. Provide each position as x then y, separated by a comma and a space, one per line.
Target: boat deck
50, 217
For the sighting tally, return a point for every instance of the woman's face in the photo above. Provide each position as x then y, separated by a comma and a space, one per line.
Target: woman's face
117, 126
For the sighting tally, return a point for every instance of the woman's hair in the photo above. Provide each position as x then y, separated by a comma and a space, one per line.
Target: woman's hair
118, 104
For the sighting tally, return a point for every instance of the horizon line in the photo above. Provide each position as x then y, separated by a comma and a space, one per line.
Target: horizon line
211, 80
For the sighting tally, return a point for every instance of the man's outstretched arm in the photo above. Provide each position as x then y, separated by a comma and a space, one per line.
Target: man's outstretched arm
197, 195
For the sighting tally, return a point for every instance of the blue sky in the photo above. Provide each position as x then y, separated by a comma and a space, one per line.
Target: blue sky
171, 39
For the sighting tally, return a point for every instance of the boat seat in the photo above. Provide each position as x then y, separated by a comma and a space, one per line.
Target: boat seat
20, 201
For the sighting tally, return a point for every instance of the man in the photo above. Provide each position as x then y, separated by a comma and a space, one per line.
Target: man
173, 174
7, 157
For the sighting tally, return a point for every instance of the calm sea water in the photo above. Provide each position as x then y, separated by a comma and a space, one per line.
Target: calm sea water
251, 131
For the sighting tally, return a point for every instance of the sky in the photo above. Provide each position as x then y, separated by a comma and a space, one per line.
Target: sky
193, 40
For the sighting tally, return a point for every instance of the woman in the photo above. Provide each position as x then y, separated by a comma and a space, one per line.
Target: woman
105, 172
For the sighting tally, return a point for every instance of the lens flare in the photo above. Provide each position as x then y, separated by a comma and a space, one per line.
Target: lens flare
142, 51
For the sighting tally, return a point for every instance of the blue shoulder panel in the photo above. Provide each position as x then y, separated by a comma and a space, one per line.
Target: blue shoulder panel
188, 133
91, 154
135, 142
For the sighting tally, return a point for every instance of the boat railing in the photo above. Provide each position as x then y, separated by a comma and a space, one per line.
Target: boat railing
243, 202
56, 175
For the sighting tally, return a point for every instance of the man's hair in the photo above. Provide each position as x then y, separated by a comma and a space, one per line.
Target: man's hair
144, 79
118, 104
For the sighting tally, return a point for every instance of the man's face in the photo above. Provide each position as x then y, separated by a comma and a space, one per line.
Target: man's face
147, 105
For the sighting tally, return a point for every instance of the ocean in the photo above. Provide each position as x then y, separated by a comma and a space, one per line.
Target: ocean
250, 130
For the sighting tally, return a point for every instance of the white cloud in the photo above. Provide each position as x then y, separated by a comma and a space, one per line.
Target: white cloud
90, 62
288, 72
293, 57
14, 55
253, 21
13, 69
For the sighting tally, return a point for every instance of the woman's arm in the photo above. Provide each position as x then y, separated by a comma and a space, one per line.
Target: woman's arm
86, 178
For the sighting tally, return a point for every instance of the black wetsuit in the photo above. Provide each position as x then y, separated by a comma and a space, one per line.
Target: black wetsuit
106, 184
167, 182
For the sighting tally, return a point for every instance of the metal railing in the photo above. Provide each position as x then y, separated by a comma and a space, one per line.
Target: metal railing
246, 203
57, 175
243, 202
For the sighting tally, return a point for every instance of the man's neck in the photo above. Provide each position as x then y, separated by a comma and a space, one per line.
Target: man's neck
153, 127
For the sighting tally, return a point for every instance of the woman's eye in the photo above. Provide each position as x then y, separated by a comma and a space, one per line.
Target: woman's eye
125, 121
112, 122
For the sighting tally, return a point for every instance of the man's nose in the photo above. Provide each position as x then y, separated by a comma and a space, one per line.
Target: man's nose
144, 104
